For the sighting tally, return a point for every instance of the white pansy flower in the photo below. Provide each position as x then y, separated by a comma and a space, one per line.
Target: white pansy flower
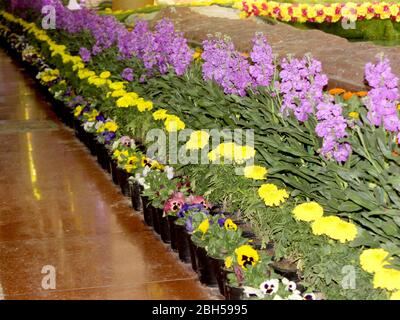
251, 292
170, 172
270, 286
289, 285
295, 296
98, 124
88, 125
146, 171
309, 296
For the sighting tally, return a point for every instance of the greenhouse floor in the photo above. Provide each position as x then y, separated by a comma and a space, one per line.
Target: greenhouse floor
66, 232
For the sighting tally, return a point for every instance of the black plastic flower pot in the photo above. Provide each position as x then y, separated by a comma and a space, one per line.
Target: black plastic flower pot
92, 144
220, 274
205, 268
135, 196
156, 219
147, 214
123, 180
102, 156
233, 293
171, 222
183, 244
114, 172
77, 129
164, 228
193, 256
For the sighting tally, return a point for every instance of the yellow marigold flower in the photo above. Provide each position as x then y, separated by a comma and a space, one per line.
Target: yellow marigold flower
160, 114
354, 115
335, 228
111, 126
143, 105
127, 100
228, 262
116, 85
203, 227
105, 74
85, 73
118, 93
373, 260
230, 225
198, 140
271, 195
395, 295
173, 123
78, 111
78, 66
388, 279
246, 256
244, 153
255, 172
308, 211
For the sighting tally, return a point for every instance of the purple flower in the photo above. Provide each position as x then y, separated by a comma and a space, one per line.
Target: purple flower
332, 127
301, 84
384, 96
221, 221
261, 55
85, 54
108, 136
127, 74
226, 66
189, 224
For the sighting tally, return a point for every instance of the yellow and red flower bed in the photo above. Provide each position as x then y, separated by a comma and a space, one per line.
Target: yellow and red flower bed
319, 13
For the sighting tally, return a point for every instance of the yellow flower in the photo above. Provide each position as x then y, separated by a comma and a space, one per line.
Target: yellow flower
85, 73
395, 295
308, 211
92, 115
203, 227
387, 278
271, 195
111, 126
228, 262
372, 260
101, 128
198, 140
246, 256
105, 74
143, 105
255, 172
335, 228
77, 111
127, 100
160, 114
355, 115
116, 86
244, 153
118, 93
230, 225
145, 162
229, 151
131, 164
173, 123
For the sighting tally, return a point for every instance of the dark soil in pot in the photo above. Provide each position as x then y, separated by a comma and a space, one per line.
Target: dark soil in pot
286, 269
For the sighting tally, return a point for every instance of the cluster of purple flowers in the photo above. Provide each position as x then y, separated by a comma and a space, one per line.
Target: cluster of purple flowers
232, 71
302, 83
384, 95
158, 50
332, 127
127, 74
226, 66
263, 68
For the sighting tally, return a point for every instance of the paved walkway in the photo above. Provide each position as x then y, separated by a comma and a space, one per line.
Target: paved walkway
343, 61
58, 208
